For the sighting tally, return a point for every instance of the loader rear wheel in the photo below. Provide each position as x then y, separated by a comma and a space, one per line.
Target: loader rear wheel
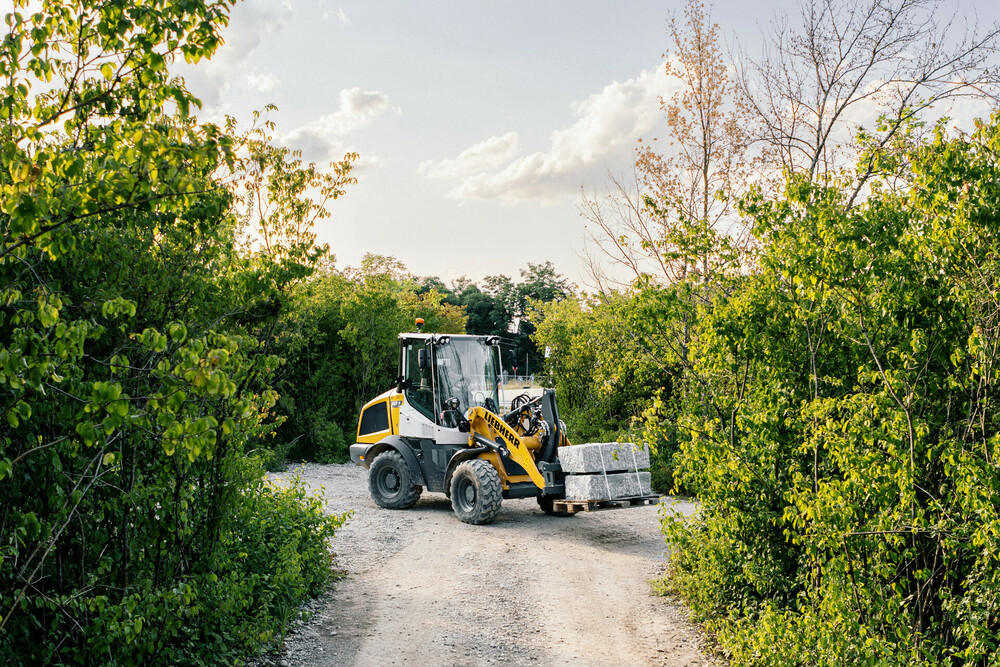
390, 483
545, 502
476, 492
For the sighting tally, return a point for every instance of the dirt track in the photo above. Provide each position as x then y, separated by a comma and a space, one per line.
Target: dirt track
425, 589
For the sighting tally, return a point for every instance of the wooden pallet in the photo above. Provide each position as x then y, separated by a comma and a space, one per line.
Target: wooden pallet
574, 506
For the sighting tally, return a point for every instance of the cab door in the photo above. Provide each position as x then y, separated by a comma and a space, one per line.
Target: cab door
416, 413
420, 405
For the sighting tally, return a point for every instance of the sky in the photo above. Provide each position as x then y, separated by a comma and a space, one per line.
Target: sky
479, 125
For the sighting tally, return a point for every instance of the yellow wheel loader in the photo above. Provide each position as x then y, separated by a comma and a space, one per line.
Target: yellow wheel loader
440, 427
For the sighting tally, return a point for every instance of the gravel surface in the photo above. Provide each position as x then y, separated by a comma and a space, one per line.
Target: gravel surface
423, 588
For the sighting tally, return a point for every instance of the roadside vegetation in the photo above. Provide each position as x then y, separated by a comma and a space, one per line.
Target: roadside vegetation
139, 301
340, 346
171, 328
800, 314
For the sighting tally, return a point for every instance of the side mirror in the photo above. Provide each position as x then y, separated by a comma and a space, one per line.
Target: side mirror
423, 359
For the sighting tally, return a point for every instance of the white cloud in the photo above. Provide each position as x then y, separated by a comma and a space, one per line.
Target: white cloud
341, 16
262, 83
323, 138
358, 109
606, 128
248, 22
487, 154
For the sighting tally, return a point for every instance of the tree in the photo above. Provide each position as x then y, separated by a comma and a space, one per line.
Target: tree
339, 340
888, 60
135, 526
667, 222
428, 283
540, 282
841, 432
485, 318
88, 141
274, 202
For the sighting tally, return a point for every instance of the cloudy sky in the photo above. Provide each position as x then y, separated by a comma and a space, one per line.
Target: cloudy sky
478, 124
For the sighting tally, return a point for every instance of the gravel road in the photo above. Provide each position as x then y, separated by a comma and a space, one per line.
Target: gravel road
423, 588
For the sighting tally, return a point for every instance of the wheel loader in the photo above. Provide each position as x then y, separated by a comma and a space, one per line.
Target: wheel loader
440, 427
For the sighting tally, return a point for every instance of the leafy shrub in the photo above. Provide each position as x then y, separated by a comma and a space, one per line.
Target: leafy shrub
273, 553
136, 317
340, 349
841, 427
604, 372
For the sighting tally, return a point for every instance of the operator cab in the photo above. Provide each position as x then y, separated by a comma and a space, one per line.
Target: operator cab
442, 376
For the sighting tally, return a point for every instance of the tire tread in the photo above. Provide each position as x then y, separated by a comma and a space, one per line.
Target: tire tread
490, 491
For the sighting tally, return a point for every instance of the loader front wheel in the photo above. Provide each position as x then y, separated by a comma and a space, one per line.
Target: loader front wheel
476, 492
390, 483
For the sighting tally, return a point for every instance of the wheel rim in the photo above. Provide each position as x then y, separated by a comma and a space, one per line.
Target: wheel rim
388, 481
466, 495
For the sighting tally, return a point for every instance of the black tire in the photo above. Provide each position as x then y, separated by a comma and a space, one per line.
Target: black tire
476, 492
390, 482
545, 502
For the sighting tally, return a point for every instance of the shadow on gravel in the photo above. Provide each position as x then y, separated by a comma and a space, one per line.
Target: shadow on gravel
618, 531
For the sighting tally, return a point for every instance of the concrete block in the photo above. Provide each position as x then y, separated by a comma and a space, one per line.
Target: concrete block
604, 456
608, 487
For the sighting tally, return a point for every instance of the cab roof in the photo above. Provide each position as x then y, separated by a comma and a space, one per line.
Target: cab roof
436, 336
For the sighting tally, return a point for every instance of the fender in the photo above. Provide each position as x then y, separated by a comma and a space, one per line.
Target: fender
403, 447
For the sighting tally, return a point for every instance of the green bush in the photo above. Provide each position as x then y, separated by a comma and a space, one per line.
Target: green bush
136, 320
841, 426
331, 445
273, 553
604, 370
340, 348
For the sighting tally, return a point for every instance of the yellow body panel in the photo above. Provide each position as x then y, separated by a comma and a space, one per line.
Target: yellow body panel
498, 464
532, 442
389, 398
395, 401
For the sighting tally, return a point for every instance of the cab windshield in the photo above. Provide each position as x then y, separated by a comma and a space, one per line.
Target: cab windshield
465, 370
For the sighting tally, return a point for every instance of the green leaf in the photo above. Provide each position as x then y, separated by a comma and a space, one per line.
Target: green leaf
177, 331
47, 315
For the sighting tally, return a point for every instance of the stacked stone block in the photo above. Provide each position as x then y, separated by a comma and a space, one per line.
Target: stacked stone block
612, 486
600, 457
605, 471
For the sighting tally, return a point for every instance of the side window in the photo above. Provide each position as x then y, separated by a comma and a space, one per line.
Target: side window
375, 418
420, 390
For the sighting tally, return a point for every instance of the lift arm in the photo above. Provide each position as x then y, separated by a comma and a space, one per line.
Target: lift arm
484, 423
